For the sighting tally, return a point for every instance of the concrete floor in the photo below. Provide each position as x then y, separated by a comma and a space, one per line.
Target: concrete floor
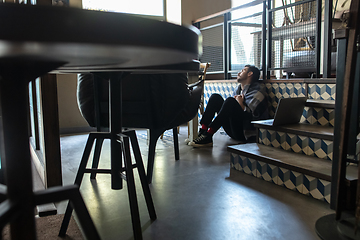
197, 197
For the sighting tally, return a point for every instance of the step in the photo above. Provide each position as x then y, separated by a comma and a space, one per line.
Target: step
306, 139
316, 112
302, 129
319, 112
304, 174
318, 103
312, 166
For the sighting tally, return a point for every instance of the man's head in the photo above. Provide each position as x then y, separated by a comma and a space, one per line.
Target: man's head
248, 74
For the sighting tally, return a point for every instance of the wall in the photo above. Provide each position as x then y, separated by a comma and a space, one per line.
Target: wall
70, 119
75, 3
194, 9
173, 14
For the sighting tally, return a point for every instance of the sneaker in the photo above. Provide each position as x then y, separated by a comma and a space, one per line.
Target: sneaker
204, 140
201, 131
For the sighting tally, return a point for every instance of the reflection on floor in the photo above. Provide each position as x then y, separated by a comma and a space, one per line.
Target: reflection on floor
197, 197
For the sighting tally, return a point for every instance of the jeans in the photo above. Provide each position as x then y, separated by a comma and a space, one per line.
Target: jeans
230, 116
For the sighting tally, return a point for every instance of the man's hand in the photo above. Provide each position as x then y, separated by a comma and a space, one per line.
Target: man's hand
240, 98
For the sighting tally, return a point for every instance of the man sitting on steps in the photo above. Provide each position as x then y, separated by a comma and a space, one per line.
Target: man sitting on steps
235, 113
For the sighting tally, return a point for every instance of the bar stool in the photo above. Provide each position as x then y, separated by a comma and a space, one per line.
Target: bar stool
121, 163
156, 102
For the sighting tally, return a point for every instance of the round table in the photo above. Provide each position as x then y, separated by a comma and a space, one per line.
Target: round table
35, 40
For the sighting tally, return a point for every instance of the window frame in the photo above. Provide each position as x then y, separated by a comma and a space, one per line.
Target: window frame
161, 18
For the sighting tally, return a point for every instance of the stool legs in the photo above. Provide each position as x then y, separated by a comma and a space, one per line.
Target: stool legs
176, 142
141, 170
75, 200
124, 145
96, 157
78, 180
134, 207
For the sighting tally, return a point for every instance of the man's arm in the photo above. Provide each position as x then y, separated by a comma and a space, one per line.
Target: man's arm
258, 104
241, 100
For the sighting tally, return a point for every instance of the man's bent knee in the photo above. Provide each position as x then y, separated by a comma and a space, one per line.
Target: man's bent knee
231, 101
216, 97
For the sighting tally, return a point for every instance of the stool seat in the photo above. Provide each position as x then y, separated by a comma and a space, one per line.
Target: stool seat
157, 102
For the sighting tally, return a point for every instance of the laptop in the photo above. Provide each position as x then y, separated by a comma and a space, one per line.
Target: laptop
288, 111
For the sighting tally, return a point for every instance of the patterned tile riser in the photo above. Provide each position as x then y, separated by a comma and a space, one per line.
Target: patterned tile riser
301, 183
299, 144
224, 89
318, 116
322, 91
276, 91
315, 91
316, 188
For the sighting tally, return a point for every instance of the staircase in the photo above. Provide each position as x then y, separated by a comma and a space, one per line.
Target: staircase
296, 156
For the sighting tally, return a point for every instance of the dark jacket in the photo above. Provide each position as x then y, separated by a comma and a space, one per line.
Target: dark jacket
256, 100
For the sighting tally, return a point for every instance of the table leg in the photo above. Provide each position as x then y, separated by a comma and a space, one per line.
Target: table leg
193, 128
115, 128
19, 207
193, 124
16, 162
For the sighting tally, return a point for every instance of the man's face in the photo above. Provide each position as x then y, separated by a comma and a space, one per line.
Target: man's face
243, 74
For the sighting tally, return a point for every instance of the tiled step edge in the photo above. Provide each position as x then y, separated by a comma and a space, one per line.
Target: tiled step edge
317, 103
277, 166
307, 130
311, 166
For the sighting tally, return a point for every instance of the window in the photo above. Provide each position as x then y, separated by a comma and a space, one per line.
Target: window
150, 8
246, 28
236, 3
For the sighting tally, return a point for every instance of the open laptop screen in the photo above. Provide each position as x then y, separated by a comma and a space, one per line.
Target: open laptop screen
289, 111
